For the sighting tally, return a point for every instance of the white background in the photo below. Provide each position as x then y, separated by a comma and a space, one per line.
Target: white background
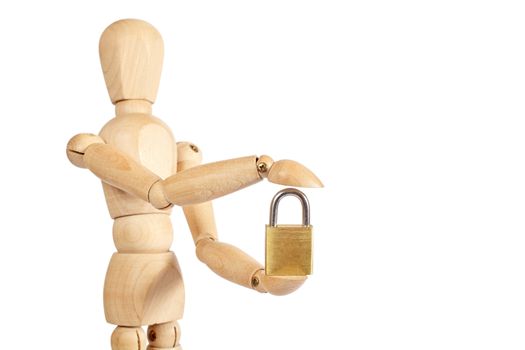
411, 112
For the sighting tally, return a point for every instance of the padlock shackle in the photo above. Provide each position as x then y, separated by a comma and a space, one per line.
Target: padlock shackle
290, 192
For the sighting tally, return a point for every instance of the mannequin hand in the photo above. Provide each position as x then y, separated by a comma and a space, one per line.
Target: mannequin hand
287, 172
276, 285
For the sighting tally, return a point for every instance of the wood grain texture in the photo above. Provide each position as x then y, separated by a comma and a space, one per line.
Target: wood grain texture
125, 107
128, 338
200, 217
189, 155
148, 141
77, 145
156, 196
224, 259
143, 172
147, 233
291, 173
278, 285
117, 169
143, 289
210, 181
164, 336
201, 221
228, 261
131, 55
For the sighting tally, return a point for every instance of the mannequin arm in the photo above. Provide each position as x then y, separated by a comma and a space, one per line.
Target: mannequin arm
224, 259
111, 165
201, 183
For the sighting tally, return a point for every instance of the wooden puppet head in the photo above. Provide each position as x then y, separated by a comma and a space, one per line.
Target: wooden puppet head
131, 54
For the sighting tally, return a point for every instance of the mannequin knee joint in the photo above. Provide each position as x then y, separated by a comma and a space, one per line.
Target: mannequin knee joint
128, 338
163, 336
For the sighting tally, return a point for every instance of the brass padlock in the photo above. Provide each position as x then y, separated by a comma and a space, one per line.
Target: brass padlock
289, 247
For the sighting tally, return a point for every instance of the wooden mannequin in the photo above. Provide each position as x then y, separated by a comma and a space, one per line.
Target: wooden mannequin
144, 173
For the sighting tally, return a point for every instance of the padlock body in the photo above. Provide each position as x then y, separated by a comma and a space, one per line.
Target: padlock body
288, 250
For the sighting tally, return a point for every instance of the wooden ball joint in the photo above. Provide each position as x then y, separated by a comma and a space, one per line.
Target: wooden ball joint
144, 173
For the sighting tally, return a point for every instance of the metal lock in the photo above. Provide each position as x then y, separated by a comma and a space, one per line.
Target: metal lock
289, 247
